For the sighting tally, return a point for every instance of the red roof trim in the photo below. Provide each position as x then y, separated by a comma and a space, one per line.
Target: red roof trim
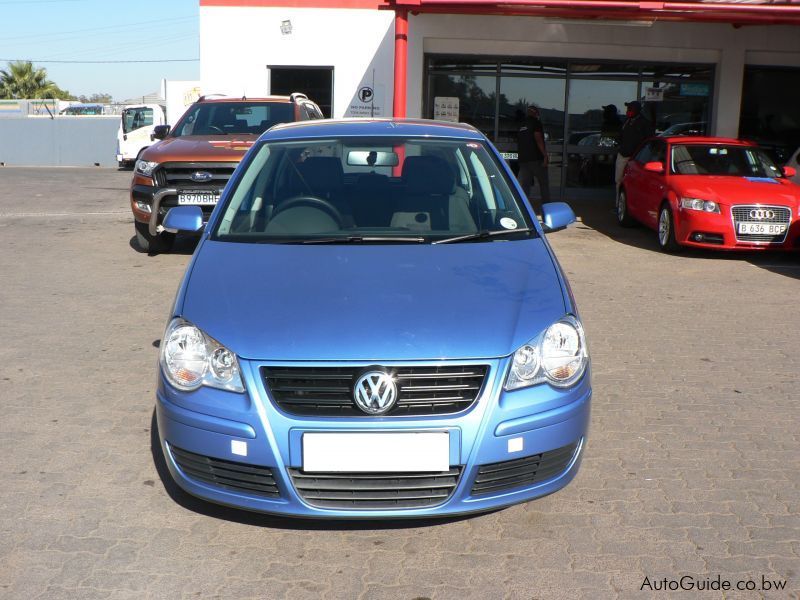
373, 4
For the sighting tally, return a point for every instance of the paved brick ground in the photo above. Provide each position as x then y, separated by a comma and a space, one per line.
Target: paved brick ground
692, 467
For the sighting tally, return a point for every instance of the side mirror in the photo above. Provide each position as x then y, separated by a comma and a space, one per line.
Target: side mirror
159, 132
557, 215
184, 218
789, 171
654, 167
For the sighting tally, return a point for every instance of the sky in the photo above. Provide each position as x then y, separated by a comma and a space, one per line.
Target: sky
46, 31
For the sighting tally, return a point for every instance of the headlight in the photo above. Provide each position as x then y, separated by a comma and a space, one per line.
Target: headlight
145, 167
699, 204
189, 359
558, 356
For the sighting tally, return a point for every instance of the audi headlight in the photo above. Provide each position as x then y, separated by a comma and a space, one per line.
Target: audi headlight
708, 206
189, 359
145, 167
558, 356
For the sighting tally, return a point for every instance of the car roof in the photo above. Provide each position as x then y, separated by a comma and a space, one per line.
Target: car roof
707, 139
228, 100
372, 127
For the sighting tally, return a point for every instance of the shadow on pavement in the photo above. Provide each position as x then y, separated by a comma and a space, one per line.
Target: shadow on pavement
189, 502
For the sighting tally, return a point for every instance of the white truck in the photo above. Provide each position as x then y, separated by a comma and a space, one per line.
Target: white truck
136, 126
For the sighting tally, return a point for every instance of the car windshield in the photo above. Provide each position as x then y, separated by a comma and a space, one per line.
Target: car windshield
221, 118
716, 159
372, 190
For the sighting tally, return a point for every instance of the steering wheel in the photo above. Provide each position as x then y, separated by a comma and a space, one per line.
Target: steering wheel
312, 202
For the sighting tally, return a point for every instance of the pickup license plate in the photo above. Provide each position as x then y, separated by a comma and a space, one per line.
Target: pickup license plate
376, 452
202, 198
751, 228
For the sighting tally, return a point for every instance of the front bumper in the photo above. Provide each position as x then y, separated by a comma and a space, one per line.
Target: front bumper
249, 433
717, 231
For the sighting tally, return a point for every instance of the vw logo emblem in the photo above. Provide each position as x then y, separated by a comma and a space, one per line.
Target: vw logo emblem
202, 176
375, 392
762, 213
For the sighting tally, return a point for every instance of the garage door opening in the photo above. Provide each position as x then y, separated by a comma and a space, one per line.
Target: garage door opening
314, 82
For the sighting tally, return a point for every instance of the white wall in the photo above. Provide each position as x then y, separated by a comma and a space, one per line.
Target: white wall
236, 44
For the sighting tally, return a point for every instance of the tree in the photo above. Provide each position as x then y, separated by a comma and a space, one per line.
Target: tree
101, 98
23, 80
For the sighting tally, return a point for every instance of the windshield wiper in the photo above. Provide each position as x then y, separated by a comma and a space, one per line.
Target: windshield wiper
480, 235
363, 239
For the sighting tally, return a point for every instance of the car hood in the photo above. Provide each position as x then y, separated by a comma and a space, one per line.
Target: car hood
373, 302
728, 190
219, 148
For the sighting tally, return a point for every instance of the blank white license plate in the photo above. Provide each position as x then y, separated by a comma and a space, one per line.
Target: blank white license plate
762, 228
376, 452
198, 198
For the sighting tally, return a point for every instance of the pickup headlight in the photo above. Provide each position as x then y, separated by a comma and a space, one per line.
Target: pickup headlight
189, 359
558, 356
145, 167
699, 204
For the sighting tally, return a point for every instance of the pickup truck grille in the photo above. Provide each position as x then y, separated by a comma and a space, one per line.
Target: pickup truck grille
179, 174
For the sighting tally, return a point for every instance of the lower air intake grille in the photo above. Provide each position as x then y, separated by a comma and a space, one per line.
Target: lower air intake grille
522, 472
227, 474
375, 491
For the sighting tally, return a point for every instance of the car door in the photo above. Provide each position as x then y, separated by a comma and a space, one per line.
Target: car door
632, 182
652, 185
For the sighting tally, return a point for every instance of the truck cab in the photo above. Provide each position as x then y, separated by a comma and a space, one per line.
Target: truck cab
135, 131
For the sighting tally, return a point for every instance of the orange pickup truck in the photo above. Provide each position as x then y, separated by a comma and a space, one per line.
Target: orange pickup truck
194, 160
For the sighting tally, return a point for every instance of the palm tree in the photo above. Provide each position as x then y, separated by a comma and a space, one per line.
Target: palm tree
22, 80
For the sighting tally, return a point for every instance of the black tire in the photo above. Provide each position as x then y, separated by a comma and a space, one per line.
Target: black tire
623, 218
153, 244
666, 230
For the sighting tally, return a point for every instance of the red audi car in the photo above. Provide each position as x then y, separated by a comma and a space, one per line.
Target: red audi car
710, 192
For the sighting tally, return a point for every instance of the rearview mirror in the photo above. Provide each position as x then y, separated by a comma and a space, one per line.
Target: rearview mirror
372, 158
557, 215
654, 167
159, 132
184, 218
789, 171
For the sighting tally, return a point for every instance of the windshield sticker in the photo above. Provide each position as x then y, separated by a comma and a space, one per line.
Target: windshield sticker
508, 223
762, 179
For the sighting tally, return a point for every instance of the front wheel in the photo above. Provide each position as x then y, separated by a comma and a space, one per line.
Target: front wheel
623, 218
666, 230
153, 244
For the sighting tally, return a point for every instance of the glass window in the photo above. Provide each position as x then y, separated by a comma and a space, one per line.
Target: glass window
465, 63
476, 98
736, 161
517, 93
604, 69
215, 118
677, 106
533, 66
136, 118
771, 110
347, 190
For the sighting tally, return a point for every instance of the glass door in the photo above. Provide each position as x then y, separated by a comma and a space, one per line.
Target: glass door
596, 114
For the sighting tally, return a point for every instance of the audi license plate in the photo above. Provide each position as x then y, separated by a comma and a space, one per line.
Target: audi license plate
751, 228
376, 452
203, 198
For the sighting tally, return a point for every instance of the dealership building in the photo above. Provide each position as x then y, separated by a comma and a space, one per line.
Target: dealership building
721, 68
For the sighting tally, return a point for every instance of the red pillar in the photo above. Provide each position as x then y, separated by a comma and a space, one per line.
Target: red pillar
400, 61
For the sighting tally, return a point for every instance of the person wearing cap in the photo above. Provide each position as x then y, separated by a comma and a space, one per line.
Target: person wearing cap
532, 154
635, 130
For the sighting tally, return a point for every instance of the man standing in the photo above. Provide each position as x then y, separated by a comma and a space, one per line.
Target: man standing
634, 131
533, 154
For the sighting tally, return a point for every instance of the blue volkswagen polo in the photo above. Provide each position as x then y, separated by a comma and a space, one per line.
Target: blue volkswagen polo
373, 325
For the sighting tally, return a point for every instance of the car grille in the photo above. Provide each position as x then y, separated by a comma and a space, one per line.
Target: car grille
742, 213
522, 472
375, 491
227, 474
179, 175
328, 391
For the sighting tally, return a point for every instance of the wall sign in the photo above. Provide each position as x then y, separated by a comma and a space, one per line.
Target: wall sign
654, 94
445, 108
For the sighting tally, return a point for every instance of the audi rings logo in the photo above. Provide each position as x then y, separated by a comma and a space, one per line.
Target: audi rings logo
202, 176
762, 214
375, 392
